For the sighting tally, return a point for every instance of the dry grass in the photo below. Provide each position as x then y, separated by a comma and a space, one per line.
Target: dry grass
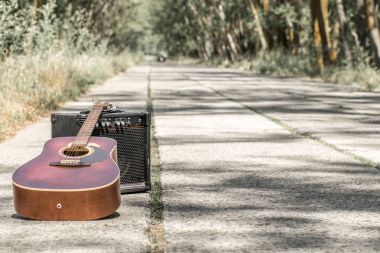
32, 85
362, 77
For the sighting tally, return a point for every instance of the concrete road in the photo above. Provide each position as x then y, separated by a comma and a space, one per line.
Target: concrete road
240, 181
250, 164
125, 231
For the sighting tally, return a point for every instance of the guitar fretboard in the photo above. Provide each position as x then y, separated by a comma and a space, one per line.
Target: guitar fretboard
85, 131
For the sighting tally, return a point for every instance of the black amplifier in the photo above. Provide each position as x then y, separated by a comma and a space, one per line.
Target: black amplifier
131, 130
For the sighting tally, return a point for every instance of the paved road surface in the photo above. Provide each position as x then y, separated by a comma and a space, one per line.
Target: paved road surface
236, 180
250, 164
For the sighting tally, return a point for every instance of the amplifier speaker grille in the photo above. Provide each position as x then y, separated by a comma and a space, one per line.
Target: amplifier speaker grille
131, 154
133, 142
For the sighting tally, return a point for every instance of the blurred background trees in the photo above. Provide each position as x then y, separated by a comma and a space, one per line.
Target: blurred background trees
25, 24
327, 32
286, 37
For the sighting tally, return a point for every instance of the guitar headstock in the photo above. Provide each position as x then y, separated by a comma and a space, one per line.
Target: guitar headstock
101, 105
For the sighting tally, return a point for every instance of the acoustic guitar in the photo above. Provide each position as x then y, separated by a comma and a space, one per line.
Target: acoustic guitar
74, 178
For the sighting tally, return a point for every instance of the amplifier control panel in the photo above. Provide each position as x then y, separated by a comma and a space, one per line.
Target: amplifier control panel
117, 122
119, 125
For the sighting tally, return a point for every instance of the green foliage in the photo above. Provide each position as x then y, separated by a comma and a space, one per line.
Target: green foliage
76, 25
13, 27
55, 52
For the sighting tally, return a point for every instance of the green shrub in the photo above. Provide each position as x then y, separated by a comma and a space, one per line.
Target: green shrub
45, 61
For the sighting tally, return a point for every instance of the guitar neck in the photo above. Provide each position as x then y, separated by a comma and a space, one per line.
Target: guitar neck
88, 126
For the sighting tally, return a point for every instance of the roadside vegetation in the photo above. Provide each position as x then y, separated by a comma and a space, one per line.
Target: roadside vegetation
156, 231
336, 40
52, 51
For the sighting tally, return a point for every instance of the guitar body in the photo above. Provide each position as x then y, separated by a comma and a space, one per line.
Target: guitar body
90, 190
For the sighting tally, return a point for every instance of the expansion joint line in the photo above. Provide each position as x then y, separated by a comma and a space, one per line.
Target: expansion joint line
156, 231
293, 130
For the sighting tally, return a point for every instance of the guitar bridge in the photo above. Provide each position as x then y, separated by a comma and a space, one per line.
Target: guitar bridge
69, 163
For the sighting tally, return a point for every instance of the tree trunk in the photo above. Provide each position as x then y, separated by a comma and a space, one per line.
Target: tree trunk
314, 8
336, 36
266, 6
323, 20
343, 30
32, 28
360, 23
227, 39
259, 29
373, 28
207, 44
320, 22
299, 30
37, 4
233, 47
291, 36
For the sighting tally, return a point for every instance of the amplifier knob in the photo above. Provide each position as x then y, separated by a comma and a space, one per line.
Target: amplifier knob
103, 124
122, 123
108, 124
117, 123
97, 125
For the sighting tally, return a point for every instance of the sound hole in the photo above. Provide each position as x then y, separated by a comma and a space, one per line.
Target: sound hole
76, 151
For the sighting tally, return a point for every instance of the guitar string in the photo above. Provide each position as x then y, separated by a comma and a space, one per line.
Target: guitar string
85, 130
85, 133
72, 149
74, 145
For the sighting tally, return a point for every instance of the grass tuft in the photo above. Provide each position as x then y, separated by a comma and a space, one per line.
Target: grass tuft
156, 231
362, 77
